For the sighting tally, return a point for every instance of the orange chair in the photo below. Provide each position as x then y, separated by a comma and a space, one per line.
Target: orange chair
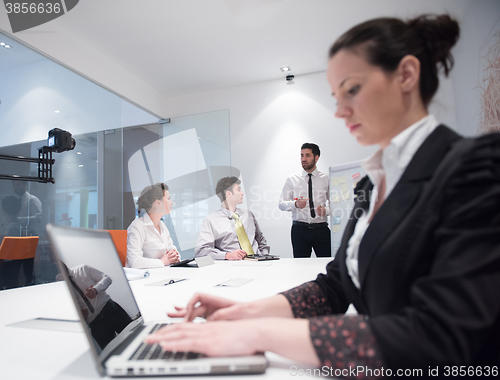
18, 248
17, 252
120, 240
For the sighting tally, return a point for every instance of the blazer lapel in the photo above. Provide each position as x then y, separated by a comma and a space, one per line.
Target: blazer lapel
404, 195
361, 205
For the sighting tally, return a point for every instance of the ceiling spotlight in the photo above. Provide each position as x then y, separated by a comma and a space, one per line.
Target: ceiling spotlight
80, 166
56, 111
7, 46
285, 69
2, 43
78, 152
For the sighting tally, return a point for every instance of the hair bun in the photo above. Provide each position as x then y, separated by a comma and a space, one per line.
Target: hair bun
439, 33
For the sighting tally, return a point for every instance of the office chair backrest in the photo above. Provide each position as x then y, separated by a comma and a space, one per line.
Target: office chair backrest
120, 240
18, 248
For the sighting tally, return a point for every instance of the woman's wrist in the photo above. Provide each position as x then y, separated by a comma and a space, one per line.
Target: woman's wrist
276, 306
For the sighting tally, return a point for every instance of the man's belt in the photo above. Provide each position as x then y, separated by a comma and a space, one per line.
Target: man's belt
310, 225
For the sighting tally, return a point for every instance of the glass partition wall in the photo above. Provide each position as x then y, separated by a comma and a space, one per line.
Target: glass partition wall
120, 149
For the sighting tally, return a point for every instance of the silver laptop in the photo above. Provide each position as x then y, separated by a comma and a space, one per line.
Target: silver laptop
90, 265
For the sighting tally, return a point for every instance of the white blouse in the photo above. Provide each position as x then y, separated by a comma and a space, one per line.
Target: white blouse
390, 163
145, 245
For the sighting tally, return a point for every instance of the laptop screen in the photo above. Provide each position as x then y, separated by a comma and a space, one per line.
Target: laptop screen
90, 265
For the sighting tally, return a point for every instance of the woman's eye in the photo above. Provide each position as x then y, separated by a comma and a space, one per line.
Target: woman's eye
354, 90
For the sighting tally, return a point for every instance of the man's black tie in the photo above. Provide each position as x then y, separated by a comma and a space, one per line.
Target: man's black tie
311, 203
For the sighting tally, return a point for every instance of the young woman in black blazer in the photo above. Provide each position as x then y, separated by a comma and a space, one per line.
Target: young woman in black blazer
420, 256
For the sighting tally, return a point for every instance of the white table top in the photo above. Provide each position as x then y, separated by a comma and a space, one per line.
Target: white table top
38, 354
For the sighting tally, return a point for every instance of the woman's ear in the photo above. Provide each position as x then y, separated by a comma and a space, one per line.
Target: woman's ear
409, 73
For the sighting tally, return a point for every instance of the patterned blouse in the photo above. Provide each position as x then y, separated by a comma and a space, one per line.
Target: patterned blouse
342, 343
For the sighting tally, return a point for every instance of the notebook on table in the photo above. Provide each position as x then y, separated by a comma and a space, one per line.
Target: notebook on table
111, 319
261, 257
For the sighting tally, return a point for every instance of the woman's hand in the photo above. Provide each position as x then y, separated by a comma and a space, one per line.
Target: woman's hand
235, 338
170, 257
214, 308
286, 337
201, 305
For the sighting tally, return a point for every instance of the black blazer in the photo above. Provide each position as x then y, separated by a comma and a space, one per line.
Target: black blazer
429, 263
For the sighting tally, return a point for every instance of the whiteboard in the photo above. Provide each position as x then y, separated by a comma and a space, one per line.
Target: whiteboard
343, 180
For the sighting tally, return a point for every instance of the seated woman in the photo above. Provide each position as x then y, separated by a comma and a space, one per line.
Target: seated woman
149, 244
420, 255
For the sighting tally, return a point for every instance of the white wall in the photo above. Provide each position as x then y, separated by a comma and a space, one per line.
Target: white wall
31, 94
480, 22
269, 122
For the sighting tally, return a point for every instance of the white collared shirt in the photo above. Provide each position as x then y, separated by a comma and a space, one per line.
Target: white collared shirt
218, 234
296, 186
145, 245
85, 277
391, 162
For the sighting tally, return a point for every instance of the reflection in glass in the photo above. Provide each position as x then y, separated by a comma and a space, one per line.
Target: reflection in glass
105, 317
97, 183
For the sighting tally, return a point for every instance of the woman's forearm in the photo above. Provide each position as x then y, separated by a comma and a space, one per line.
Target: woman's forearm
289, 338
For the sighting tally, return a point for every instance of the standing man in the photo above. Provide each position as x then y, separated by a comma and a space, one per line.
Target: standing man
305, 194
31, 208
230, 233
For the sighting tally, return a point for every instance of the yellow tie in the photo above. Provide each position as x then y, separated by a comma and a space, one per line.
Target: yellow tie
242, 236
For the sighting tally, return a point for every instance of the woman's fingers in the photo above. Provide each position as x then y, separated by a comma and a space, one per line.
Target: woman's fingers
179, 313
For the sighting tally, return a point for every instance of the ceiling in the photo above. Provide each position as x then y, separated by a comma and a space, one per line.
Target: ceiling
186, 46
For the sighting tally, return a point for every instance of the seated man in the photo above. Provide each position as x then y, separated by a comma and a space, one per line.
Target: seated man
230, 233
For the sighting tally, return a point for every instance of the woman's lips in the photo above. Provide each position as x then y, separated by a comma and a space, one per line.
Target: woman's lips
352, 127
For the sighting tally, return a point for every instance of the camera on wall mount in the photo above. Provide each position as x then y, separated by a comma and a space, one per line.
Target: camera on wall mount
289, 79
60, 141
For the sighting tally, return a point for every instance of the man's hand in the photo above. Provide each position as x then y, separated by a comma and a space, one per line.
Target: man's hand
321, 211
91, 293
301, 202
236, 255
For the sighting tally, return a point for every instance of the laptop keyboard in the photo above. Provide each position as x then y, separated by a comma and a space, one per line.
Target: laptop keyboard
155, 352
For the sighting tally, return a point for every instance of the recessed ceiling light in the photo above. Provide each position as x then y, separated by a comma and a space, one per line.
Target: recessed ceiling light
80, 166
285, 69
78, 152
7, 46
56, 111
2, 43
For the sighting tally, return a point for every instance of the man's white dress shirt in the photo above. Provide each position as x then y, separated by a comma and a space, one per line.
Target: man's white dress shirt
218, 234
31, 209
296, 186
85, 276
145, 245
390, 162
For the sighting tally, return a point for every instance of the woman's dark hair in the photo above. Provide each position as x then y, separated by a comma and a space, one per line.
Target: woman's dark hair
150, 194
385, 41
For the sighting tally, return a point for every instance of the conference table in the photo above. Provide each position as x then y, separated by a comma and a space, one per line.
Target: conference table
41, 340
